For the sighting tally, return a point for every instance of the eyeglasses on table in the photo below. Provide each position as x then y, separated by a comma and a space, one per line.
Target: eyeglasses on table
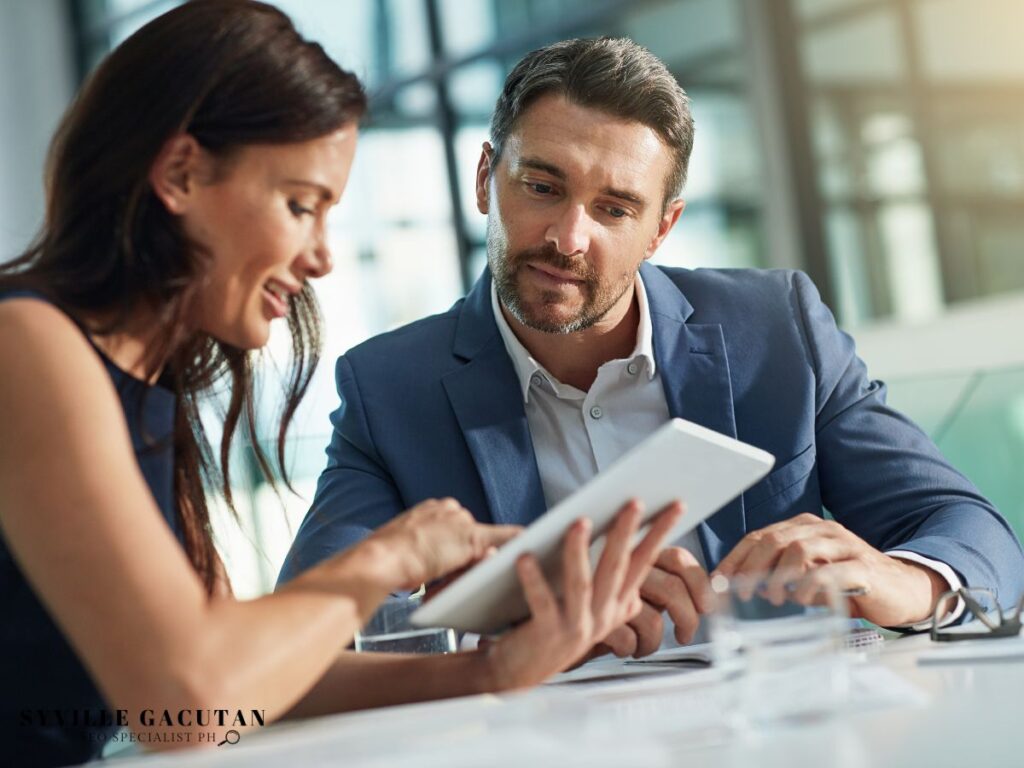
992, 621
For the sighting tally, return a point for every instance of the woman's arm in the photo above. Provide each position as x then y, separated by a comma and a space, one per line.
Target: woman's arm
559, 632
83, 527
366, 680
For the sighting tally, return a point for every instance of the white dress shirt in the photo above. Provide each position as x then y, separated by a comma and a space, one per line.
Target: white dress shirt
577, 434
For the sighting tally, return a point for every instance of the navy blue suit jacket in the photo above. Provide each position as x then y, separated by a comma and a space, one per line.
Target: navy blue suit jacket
435, 409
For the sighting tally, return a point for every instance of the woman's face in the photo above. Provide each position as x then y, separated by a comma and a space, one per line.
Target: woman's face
261, 218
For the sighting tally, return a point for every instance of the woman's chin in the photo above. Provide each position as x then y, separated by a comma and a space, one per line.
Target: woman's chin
252, 337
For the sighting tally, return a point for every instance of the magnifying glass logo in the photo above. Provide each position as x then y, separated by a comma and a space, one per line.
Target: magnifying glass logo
231, 737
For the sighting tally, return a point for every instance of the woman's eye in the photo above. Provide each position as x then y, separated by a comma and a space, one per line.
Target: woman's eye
299, 210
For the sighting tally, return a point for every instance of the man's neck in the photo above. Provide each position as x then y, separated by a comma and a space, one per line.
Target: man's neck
573, 358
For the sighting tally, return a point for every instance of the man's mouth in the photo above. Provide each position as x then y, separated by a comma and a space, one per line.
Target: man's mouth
549, 273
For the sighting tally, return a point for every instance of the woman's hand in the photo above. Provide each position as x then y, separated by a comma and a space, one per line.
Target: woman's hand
433, 539
561, 631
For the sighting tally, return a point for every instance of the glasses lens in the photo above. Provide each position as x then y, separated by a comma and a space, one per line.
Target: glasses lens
982, 604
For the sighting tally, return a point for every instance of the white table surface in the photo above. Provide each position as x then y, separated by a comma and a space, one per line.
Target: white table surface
902, 713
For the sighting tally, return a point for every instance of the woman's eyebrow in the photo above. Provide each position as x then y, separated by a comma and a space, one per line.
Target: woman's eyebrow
325, 192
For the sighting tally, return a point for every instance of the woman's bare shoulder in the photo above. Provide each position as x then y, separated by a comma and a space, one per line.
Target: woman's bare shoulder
27, 319
47, 361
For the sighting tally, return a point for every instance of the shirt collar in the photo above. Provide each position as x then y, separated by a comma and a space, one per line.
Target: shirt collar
644, 349
526, 365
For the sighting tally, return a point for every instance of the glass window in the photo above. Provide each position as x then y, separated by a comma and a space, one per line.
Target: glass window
475, 87
974, 41
683, 33
130, 15
349, 33
817, 9
854, 48
922, 144
469, 25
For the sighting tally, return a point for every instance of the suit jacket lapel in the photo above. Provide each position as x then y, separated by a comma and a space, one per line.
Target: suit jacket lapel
488, 404
694, 367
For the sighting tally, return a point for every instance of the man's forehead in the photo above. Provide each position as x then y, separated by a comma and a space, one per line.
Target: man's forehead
576, 139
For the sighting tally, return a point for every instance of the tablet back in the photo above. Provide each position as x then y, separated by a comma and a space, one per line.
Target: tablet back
681, 460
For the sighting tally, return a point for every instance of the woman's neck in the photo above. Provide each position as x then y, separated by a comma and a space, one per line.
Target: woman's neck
132, 345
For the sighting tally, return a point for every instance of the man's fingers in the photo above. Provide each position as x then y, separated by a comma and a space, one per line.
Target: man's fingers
622, 641
848, 574
659, 586
684, 597
759, 560
772, 542
649, 628
729, 564
798, 558
699, 586
684, 565
684, 615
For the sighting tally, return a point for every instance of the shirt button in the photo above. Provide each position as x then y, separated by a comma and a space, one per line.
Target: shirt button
632, 368
536, 380
596, 412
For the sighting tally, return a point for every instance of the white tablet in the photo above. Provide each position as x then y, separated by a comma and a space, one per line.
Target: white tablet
681, 460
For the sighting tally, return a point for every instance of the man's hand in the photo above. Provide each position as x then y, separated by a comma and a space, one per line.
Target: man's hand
816, 551
677, 585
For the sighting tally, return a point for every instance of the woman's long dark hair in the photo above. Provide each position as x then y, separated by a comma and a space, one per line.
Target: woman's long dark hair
229, 73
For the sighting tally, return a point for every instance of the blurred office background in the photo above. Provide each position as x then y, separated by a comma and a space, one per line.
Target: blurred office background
876, 144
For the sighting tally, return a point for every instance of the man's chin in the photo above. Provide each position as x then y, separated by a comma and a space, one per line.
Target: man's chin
548, 321
546, 311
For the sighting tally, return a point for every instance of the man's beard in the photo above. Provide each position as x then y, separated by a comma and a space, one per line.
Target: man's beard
506, 269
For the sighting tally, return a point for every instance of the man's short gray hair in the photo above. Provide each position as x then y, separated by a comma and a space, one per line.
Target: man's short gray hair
613, 75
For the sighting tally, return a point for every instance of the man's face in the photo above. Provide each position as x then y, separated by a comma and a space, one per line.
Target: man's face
574, 206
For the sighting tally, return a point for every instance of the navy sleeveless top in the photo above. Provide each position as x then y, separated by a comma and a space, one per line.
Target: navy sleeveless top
51, 712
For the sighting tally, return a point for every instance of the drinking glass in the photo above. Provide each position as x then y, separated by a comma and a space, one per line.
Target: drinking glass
783, 659
389, 631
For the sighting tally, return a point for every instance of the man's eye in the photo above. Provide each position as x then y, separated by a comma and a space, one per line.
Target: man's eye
616, 213
541, 189
299, 210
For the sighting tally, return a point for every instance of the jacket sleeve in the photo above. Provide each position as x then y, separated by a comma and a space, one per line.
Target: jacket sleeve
884, 479
355, 493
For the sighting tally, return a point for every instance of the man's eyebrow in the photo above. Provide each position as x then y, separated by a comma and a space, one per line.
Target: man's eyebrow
325, 192
623, 194
542, 165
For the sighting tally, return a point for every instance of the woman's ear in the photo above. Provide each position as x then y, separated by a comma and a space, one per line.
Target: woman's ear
175, 171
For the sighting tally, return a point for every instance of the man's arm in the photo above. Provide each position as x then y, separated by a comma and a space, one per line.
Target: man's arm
884, 479
355, 494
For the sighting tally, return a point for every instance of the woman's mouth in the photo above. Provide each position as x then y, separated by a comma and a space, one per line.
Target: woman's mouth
276, 297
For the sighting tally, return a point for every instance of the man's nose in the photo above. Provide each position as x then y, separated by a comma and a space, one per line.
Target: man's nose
570, 232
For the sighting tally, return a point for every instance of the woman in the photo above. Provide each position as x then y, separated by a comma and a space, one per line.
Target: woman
187, 190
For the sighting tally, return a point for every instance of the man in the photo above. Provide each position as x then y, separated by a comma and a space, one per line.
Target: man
571, 349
